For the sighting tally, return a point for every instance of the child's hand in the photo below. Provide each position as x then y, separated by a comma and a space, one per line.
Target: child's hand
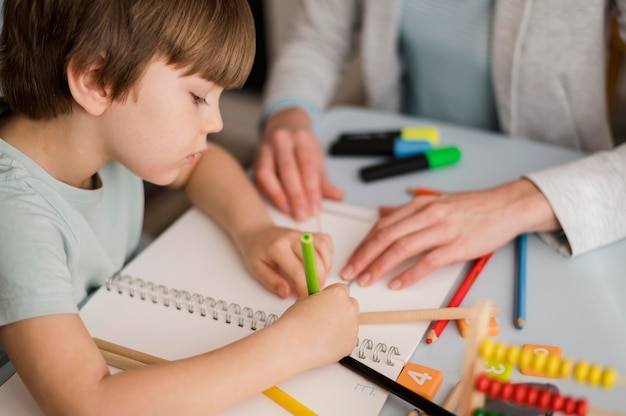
274, 256
324, 325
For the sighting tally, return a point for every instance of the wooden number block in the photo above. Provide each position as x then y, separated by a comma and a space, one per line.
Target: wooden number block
534, 360
424, 381
498, 370
492, 330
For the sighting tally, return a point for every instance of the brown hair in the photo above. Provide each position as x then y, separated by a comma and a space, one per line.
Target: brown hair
212, 38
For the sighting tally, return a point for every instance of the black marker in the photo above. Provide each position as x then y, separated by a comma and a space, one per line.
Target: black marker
394, 387
428, 160
375, 147
428, 133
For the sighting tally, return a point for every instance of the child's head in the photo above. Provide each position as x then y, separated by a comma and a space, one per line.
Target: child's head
40, 38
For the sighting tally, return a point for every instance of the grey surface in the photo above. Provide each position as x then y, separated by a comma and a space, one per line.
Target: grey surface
575, 304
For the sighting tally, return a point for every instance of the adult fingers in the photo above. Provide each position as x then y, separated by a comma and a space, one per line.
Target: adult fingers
267, 180
387, 230
400, 250
330, 191
289, 173
425, 265
311, 164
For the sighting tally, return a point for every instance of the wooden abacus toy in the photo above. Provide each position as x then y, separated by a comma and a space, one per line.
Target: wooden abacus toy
475, 385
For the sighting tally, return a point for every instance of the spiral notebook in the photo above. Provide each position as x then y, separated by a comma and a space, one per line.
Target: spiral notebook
189, 292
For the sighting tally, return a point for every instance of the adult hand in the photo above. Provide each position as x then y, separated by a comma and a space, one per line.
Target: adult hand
445, 229
289, 168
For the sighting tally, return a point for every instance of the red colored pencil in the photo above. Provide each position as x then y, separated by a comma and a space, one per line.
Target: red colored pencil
458, 296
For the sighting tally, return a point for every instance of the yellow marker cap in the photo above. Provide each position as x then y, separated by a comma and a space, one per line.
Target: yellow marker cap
427, 133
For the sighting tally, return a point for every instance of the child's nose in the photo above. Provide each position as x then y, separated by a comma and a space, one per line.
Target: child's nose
212, 121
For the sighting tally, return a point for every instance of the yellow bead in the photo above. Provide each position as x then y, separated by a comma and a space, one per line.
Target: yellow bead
595, 375
499, 352
581, 371
512, 354
552, 365
567, 366
486, 349
525, 358
609, 376
539, 361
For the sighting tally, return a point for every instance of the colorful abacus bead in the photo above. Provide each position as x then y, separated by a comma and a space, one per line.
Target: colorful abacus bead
483, 412
557, 402
506, 392
482, 383
544, 399
595, 375
581, 371
530, 396
609, 377
551, 365
567, 366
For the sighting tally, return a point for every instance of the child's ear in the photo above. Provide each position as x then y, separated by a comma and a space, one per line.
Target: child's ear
85, 89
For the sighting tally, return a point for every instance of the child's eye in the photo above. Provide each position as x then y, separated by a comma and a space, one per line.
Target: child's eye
198, 100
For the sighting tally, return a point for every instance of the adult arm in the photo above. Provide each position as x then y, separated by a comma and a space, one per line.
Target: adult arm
576, 207
289, 167
588, 197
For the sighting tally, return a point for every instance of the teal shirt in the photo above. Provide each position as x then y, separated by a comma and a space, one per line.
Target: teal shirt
445, 46
59, 242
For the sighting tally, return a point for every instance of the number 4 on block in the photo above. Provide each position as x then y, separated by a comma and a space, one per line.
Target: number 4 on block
424, 381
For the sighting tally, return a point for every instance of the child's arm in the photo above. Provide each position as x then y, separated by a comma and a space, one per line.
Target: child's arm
220, 187
65, 373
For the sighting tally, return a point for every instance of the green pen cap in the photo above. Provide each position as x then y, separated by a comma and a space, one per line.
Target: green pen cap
442, 156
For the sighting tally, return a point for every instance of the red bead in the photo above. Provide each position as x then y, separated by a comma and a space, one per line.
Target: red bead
519, 393
531, 396
495, 389
581, 407
482, 383
507, 391
557, 402
543, 401
569, 405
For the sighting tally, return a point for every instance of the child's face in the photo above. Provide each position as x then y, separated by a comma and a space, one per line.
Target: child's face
162, 127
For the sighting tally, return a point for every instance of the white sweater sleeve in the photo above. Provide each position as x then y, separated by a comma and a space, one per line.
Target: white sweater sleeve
588, 197
308, 66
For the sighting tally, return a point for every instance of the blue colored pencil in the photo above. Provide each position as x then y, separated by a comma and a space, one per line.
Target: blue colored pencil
520, 299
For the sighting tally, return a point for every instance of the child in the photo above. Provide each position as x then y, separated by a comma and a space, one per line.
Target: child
103, 93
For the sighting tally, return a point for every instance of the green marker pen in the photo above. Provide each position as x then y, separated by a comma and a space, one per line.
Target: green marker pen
308, 258
430, 159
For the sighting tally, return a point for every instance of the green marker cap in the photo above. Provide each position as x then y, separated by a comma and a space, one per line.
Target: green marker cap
442, 156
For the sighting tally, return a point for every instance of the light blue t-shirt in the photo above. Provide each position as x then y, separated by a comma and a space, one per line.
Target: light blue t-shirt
446, 49
58, 242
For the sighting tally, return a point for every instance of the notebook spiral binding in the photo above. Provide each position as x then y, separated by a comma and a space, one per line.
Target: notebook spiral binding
218, 309
191, 302
366, 346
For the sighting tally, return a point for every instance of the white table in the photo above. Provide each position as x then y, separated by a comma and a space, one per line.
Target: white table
575, 304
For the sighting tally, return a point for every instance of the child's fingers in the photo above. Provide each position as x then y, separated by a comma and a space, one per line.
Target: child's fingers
272, 280
324, 256
290, 266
